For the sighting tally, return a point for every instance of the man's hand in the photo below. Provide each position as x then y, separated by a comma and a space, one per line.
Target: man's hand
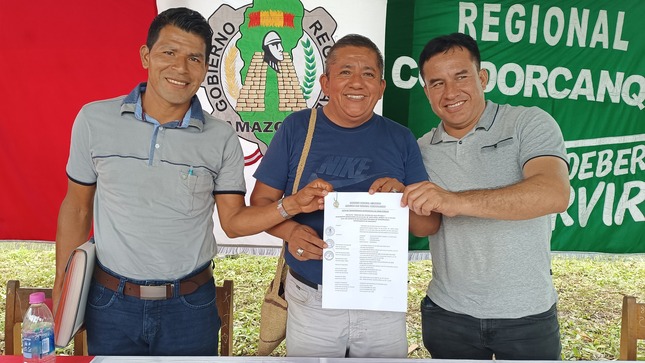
386, 184
425, 198
308, 199
300, 237
305, 238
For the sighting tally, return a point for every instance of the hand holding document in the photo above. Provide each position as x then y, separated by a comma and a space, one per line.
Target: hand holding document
365, 265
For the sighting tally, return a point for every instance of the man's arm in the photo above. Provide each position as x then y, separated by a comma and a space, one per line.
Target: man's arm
544, 190
422, 226
239, 220
298, 235
74, 225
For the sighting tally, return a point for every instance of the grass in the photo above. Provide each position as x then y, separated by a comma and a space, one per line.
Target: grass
590, 289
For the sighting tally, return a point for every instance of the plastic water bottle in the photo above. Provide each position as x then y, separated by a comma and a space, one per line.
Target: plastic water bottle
38, 331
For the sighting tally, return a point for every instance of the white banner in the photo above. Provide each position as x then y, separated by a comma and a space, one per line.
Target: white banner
266, 60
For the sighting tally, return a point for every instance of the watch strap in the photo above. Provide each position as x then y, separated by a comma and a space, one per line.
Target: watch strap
282, 211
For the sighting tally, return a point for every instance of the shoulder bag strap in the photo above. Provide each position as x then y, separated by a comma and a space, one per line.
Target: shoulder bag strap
282, 267
305, 150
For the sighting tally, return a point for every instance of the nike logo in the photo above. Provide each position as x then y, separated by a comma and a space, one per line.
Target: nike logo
342, 183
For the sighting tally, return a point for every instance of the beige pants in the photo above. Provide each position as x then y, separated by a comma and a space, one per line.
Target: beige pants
316, 332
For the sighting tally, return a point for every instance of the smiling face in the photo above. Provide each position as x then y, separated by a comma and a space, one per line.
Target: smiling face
455, 89
176, 67
353, 84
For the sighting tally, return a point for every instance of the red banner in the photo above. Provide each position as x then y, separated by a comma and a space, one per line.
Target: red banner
57, 56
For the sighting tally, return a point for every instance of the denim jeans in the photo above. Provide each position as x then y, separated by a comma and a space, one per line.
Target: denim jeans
448, 335
124, 325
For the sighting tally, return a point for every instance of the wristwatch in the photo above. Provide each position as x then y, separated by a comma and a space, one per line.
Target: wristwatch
283, 212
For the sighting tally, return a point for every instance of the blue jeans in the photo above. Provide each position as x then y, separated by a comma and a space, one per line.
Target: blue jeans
118, 324
449, 335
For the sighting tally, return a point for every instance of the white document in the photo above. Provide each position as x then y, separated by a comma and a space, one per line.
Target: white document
365, 265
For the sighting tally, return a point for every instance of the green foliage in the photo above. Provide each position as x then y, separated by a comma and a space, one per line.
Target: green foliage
590, 290
310, 69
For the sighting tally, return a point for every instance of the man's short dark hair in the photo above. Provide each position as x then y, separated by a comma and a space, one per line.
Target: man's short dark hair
355, 40
185, 19
444, 43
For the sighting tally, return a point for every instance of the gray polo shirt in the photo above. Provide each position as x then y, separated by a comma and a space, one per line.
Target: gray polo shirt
483, 267
153, 207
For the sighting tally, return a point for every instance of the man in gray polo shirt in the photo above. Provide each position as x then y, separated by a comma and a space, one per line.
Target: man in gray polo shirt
146, 169
496, 173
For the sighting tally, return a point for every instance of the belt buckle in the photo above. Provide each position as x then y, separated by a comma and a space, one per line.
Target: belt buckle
157, 292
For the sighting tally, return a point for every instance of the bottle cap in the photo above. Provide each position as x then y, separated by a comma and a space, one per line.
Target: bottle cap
37, 298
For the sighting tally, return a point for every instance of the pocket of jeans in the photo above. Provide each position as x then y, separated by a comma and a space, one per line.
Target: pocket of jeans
297, 291
203, 297
549, 314
100, 297
429, 305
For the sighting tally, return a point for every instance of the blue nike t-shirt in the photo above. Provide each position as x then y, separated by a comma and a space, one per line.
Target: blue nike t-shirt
351, 159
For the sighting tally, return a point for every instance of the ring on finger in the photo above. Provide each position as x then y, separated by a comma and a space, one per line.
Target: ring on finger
393, 190
300, 251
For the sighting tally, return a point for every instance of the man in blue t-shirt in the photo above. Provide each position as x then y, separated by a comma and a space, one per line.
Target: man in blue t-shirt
355, 150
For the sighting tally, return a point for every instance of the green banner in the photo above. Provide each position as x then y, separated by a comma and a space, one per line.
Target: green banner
581, 61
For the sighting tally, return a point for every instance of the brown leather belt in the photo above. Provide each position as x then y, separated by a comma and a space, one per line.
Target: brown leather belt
156, 292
